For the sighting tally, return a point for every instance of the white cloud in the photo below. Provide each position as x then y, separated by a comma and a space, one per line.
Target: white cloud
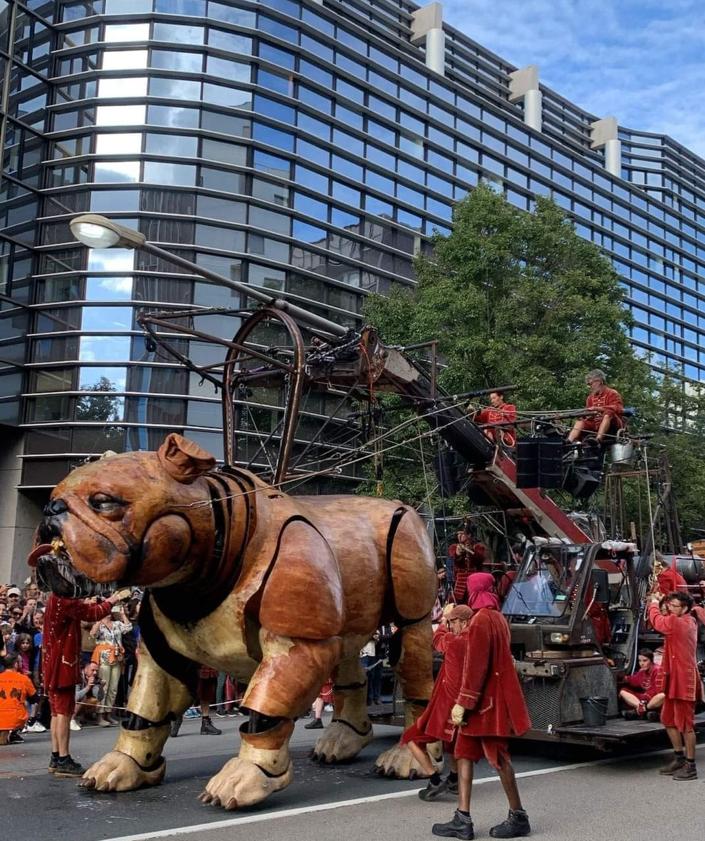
640, 60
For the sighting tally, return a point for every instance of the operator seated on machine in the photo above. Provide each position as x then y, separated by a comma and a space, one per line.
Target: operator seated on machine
642, 693
608, 417
498, 412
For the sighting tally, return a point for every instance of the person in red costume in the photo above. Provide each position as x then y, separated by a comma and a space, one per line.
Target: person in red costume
683, 684
498, 412
489, 709
434, 724
482, 591
667, 577
470, 557
61, 654
608, 416
641, 692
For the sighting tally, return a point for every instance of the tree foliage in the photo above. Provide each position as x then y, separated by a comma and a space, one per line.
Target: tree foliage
516, 298
520, 299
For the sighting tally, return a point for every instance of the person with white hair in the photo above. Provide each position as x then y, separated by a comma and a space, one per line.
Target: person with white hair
607, 415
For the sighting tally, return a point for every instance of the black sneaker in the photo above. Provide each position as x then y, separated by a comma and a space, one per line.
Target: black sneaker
630, 715
221, 714
432, 791
316, 724
208, 728
452, 785
516, 825
14, 738
68, 767
687, 771
653, 715
674, 765
175, 726
460, 827
53, 762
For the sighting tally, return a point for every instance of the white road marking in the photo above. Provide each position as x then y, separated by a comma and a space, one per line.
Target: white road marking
358, 801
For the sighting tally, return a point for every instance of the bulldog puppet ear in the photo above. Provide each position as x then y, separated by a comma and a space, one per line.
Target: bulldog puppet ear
184, 460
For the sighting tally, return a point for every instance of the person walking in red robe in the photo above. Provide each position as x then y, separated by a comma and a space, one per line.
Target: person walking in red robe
682, 680
61, 655
434, 724
489, 709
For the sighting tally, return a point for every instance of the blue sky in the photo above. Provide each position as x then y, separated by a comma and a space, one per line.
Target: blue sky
642, 61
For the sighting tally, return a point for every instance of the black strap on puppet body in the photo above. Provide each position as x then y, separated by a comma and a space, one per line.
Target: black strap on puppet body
173, 663
188, 602
137, 722
390, 602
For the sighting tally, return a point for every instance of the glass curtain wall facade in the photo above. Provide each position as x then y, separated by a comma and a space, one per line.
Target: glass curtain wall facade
299, 146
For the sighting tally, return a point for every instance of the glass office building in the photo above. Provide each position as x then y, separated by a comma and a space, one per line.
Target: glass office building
303, 146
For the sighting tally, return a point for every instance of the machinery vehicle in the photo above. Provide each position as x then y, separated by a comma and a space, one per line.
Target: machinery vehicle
570, 580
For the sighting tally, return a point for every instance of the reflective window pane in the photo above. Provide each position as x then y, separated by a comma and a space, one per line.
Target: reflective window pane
122, 87
124, 59
103, 378
108, 288
167, 115
120, 115
106, 171
106, 318
175, 60
120, 32
110, 259
104, 348
113, 201
178, 33
118, 144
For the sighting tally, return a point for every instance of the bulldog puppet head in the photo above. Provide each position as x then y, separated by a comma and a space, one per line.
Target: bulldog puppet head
135, 518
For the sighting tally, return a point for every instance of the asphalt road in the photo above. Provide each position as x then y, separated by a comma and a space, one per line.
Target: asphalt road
567, 797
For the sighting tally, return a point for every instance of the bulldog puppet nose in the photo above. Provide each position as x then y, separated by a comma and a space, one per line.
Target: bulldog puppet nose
56, 506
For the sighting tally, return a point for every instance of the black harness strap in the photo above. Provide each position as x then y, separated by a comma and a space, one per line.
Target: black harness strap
173, 663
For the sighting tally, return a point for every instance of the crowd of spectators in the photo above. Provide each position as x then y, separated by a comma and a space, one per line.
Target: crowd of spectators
109, 652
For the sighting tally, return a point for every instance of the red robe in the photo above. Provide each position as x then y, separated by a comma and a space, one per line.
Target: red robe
490, 686
679, 653
610, 403
671, 580
61, 639
435, 719
506, 413
473, 557
645, 684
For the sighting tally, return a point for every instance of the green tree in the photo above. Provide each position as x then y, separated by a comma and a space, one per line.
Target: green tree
100, 405
517, 298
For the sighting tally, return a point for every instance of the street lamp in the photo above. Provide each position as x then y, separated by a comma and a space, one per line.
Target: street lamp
96, 231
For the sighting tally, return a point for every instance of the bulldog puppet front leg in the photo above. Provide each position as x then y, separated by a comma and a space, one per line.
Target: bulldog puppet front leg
282, 688
156, 697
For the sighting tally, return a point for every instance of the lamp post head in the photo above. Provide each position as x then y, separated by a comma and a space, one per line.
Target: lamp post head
96, 231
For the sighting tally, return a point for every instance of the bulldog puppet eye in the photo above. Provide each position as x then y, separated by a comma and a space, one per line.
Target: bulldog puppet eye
105, 504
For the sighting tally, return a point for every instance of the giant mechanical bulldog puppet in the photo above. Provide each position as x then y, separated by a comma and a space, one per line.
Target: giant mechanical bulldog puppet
281, 591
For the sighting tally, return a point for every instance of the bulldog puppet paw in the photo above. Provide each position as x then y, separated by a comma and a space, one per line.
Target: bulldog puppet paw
242, 783
399, 763
119, 772
340, 742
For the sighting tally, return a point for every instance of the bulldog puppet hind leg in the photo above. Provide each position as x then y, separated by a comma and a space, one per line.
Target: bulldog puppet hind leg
287, 679
351, 729
414, 671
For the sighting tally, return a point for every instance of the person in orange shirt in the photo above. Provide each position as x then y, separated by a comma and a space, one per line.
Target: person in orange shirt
608, 416
15, 690
498, 412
